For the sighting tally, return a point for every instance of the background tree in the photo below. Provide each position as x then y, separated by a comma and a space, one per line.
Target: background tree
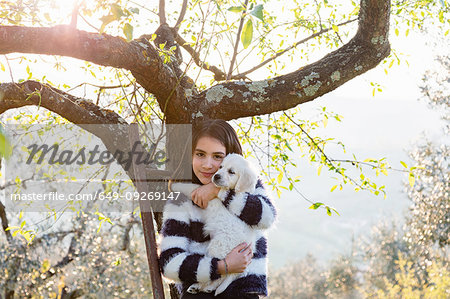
427, 227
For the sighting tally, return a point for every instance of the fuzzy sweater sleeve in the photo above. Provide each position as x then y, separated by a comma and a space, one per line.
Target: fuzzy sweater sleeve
255, 209
176, 262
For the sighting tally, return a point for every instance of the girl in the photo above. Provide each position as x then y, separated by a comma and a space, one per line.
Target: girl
183, 245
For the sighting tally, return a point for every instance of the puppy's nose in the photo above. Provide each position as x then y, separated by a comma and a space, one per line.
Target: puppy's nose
216, 177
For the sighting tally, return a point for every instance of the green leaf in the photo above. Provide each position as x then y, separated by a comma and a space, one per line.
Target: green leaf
288, 146
337, 213
316, 205
334, 187
5, 146
100, 215
28, 236
134, 10
128, 31
236, 8
11, 227
247, 34
117, 262
404, 164
2, 67
278, 193
45, 265
335, 28
325, 121
100, 226
328, 211
105, 21
411, 179
258, 12
117, 11
280, 177
47, 17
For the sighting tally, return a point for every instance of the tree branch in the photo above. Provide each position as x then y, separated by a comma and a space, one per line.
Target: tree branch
181, 17
74, 109
241, 24
138, 56
109, 126
219, 75
366, 50
58, 235
126, 233
5, 223
162, 12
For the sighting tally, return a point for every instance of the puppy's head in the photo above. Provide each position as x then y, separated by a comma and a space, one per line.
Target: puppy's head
235, 173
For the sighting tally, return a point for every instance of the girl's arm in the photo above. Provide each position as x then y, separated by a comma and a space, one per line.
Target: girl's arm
176, 262
255, 209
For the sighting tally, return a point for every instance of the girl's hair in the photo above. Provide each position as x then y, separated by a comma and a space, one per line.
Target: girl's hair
220, 130
217, 129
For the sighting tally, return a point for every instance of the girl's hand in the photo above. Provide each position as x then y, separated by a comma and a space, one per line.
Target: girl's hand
202, 195
237, 260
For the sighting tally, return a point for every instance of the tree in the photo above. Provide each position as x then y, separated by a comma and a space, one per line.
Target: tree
427, 227
154, 82
179, 100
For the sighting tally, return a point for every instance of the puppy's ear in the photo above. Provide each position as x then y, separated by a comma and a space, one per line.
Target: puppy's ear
247, 180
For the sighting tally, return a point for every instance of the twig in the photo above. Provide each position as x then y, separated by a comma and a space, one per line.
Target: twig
318, 15
86, 21
330, 161
241, 24
98, 86
368, 164
126, 235
181, 17
162, 12
339, 37
144, 97
13, 183
9, 67
290, 48
5, 222
59, 235
196, 57
143, 7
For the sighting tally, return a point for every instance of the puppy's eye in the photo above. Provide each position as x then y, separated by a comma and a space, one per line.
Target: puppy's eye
230, 171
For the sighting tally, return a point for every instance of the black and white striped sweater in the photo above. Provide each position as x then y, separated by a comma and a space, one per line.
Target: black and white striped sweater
183, 245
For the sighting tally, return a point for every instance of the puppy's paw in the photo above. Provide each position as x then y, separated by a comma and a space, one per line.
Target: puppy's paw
194, 289
209, 289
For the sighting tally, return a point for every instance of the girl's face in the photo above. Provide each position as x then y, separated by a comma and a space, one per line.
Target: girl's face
207, 157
